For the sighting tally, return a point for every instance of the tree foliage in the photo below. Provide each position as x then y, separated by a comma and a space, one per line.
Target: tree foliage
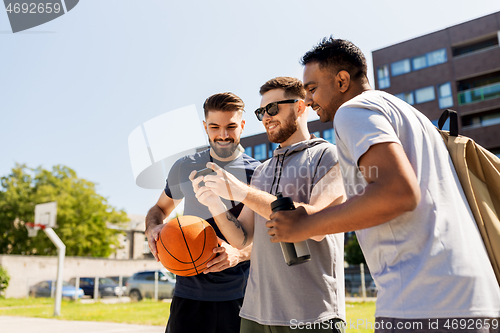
4, 280
83, 215
353, 253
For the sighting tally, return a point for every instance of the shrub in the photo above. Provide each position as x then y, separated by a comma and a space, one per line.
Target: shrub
353, 253
4, 280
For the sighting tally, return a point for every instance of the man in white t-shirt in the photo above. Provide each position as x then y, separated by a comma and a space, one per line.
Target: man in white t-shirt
405, 202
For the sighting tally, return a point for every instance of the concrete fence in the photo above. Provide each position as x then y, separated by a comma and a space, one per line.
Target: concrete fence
26, 271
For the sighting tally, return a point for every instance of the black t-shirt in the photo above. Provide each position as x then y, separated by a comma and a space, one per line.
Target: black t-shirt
230, 283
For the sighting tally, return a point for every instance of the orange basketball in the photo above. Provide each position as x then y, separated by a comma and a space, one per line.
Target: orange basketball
186, 244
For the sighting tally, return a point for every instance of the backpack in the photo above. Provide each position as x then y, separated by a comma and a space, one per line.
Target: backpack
479, 173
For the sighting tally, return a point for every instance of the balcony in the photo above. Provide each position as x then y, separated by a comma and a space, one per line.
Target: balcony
479, 94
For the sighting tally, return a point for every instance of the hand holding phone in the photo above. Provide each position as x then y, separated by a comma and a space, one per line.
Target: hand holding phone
204, 172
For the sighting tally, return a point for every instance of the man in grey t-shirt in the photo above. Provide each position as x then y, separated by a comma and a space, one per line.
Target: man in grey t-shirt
281, 298
405, 202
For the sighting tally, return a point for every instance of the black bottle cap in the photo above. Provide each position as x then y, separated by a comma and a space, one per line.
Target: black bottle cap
282, 203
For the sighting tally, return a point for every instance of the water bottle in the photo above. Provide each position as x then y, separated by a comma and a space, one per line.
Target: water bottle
294, 253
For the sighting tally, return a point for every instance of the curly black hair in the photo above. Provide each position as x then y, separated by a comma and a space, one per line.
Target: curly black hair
337, 54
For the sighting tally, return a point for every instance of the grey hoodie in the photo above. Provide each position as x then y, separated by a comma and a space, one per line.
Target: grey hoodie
278, 294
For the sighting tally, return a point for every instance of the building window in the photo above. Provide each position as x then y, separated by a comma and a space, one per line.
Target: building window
419, 62
272, 147
480, 93
407, 97
436, 57
383, 77
329, 135
426, 60
475, 46
260, 152
400, 67
425, 95
248, 151
481, 119
445, 96
491, 119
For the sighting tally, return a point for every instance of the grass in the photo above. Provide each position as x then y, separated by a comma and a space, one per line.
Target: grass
360, 317
146, 312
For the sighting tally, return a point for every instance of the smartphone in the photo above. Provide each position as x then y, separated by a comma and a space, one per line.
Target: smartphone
204, 172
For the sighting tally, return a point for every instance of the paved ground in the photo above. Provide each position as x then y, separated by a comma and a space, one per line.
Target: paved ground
41, 325
360, 299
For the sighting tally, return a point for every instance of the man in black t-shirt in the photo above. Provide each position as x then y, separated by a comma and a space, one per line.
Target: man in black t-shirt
211, 301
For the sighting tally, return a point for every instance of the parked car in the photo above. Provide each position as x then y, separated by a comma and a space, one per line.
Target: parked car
142, 284
106, 286
116, 279
371, 290
44, 289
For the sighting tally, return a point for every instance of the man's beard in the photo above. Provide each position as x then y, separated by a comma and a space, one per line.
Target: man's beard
224, 152
287, 128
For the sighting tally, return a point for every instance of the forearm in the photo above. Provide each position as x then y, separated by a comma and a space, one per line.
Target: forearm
391, 191
376, 206
233, 230
155, 216
328, 191
259, 202
237, 234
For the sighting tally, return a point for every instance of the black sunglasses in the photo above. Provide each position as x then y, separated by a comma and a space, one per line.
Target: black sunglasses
272, 108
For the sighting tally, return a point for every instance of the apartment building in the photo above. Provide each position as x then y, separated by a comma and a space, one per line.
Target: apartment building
456, 68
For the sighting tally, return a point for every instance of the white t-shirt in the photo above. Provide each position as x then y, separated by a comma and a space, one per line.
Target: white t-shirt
431, 262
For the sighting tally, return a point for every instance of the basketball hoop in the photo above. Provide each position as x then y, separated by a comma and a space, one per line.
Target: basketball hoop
33, 228
45, 219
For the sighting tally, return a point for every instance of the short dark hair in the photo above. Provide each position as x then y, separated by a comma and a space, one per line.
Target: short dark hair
226, 101
340, 54
293, 87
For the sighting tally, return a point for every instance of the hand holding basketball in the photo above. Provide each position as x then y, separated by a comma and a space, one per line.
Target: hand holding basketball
152, 234
227, 256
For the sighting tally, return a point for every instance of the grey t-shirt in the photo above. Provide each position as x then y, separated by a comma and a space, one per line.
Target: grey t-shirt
283, 295
431, 262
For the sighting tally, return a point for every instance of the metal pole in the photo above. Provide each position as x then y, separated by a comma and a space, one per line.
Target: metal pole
77, 286
363, 287
96, 288
120, 285
61, 252
156, 285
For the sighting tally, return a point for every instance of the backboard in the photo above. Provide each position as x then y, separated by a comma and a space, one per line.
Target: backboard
45, 214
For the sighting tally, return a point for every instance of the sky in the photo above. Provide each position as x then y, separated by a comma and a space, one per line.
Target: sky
72, 90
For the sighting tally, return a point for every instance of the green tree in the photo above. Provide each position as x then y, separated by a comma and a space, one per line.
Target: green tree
82, 214
4, 280
353, 253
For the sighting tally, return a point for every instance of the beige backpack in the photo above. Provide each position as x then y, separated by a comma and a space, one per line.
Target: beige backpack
479, 173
